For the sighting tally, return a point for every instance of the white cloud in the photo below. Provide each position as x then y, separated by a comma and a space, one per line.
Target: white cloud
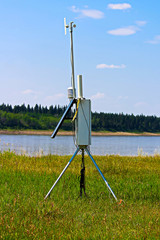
119, 6
74, 9
140, 104
55, 97
30, 95
29, 91
141, 23
112, 66
156, 40
123, 98
91, 13
98, 96
129, 30
126, 31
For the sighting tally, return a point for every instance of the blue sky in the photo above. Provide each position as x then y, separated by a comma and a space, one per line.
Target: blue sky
116, 49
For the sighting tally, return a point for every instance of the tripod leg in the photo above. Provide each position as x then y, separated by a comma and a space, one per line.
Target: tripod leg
101, 174
77, 150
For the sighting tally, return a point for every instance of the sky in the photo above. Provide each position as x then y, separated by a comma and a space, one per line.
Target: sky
116, 50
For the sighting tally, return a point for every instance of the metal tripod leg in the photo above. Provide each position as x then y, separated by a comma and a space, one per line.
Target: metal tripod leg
101, 174
77, 150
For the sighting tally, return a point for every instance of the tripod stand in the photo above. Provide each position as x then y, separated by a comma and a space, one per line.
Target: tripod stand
89, 154
82, 119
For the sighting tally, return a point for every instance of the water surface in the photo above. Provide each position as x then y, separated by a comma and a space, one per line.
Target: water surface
64, 145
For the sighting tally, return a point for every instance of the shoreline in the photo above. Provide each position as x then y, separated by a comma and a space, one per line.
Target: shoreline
70, 133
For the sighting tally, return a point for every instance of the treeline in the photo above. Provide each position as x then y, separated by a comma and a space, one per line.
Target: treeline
44, 118
56, 110
27, 117
125, 122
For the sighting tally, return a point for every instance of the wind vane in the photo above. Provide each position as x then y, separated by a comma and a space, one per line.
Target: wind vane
82, 119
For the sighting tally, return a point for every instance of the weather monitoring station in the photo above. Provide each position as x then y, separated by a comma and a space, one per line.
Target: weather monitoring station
82, 121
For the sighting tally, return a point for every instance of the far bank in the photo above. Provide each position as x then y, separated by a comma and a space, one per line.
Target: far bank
70, 133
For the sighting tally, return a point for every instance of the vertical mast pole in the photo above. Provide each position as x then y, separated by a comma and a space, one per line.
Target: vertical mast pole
72, 60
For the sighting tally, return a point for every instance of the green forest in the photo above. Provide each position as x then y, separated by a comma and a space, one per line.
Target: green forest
46, 118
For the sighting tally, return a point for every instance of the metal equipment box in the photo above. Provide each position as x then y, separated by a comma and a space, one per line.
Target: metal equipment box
83, 123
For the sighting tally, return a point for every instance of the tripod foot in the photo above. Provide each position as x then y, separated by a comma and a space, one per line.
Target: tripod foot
120, 202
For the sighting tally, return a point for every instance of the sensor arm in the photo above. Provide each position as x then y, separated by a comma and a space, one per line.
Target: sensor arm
63, 117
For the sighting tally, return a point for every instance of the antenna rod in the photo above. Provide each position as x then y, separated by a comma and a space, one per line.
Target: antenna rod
72, 60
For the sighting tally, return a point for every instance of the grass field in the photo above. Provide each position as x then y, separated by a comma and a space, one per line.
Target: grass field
24, 181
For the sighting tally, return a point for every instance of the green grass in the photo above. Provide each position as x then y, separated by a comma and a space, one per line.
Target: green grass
24, 182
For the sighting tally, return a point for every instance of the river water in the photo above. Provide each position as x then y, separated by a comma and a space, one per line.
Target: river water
64, 145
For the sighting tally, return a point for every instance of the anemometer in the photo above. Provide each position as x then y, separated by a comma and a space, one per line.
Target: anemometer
82, 119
